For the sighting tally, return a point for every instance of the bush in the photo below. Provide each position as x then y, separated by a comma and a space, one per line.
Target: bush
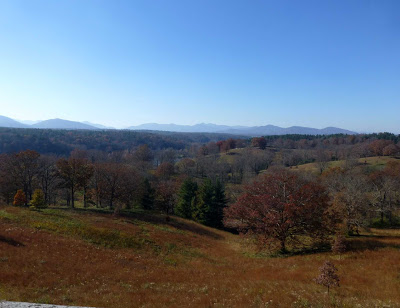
38, 200
19, 198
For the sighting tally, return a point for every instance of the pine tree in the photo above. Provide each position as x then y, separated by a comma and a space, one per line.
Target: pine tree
38, 200
19, 198
186, 199
147, 199
210, 204
204, 203
218, 205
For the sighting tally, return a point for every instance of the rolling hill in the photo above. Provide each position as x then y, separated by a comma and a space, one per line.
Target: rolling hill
139, 259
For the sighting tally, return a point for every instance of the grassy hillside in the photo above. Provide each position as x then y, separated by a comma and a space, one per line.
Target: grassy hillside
142, 260
373, 163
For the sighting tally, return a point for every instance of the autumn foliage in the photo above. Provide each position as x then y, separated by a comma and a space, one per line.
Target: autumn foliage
328, 276
19, 198
282, 207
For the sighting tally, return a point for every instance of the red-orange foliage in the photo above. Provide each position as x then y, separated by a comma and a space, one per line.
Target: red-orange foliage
377, 146
19, 198
259, 142
165, 171
282, 206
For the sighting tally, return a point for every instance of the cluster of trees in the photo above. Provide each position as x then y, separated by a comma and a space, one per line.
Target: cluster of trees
282, 206
197, 176
362, 195
115, 182
204, 203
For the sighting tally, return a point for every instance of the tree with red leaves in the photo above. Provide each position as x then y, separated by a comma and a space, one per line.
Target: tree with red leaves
19, 198
328, 277
282, 207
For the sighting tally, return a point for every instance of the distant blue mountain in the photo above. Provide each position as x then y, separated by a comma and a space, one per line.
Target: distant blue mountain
98, 125
8, 122
266, 130
62, 124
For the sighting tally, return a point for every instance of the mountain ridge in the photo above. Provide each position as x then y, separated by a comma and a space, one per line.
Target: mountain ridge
263, 130
242, 130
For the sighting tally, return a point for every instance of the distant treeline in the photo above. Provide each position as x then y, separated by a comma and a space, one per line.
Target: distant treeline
359, 137
62, 142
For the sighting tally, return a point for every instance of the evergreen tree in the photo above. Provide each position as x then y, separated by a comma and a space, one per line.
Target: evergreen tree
204, 203
210, 204
38, 200
147, 199
219, 203
186, 199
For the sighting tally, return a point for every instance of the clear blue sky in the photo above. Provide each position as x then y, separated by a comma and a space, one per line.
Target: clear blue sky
310, 63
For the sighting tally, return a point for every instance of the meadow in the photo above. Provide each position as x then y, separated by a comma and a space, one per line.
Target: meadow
142, 259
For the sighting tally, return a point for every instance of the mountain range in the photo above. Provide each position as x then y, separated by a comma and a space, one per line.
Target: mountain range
198, 128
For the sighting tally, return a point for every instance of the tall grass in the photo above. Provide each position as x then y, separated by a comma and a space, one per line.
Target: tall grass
97, 260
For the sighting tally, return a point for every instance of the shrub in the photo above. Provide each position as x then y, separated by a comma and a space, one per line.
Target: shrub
38, 200
19, 198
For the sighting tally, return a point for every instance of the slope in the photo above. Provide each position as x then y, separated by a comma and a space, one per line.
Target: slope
91, 258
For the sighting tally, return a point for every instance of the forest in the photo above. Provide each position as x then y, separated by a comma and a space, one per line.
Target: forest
200, 176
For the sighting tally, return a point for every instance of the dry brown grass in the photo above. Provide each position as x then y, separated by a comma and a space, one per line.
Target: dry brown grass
178, 264
375, 162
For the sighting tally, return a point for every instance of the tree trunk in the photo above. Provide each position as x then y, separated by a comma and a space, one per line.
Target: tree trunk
72, 197
283, 246
84, 197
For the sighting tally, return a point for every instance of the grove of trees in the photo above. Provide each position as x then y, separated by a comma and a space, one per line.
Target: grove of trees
254, 185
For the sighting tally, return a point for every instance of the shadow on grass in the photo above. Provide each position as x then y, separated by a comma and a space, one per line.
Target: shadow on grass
371, 242
150, 217
10, 241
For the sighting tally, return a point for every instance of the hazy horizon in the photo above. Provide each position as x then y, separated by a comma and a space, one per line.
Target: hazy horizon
124, 63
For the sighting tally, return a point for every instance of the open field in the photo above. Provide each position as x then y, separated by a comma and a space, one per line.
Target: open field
84, 258
375, 162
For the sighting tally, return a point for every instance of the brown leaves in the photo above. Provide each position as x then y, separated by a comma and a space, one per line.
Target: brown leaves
282, 206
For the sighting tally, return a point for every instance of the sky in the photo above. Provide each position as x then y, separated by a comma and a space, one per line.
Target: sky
121, 63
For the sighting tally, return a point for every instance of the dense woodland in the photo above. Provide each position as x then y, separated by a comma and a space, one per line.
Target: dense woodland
254, 185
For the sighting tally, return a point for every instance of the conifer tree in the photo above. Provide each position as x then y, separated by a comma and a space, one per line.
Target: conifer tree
147, 198
210, 204
218, 205
186, 199
38, 200
204, 203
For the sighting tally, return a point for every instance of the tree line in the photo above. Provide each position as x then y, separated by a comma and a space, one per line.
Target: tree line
115, 182
248, 184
